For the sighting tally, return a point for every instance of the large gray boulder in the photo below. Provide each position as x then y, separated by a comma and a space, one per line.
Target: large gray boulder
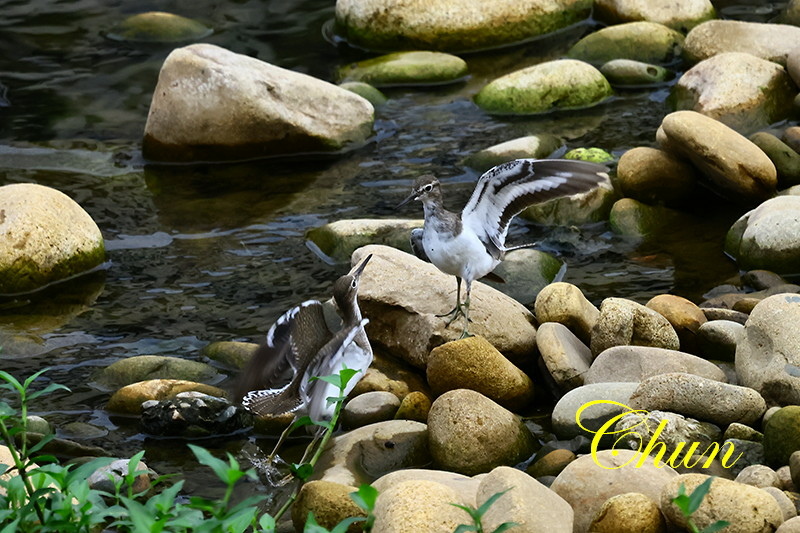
768, 351
211, 103
766, 237
740, 90
452, 25
45, 236
767, 41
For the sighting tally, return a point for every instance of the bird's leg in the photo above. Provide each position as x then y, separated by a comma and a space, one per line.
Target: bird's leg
310, 448
465, 312
457, 310
282, 438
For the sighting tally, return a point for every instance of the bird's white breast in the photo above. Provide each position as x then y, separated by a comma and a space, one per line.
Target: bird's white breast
462, 255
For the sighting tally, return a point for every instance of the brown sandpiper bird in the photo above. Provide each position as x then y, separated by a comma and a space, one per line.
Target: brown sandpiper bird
471, 244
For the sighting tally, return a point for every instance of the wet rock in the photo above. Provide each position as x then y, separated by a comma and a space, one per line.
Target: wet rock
565, 303
148, 367
525, 272
230, 353
159, 27
772, 42
61, 448
764, 237
106, 478
551, 464
45, 236
193, 414
630, 73
369, 408
648, 42
625, 322
742, 432
330, 502
762, 279
586, 485
632, 218
717, 339
466, 487
366, 91
402, 309
129, 399
415, 406
369, 452
339, 239
471, 434
740, 90
719, 313
768, 353
681, 16
567, 359
388, 374
526, 502
77, 431
591, 154
559, 84
257, 110
418, 506
733, 166
538, 146
782, 436
631, 512
760, 476
451, 26
407, 68
474, 364
699, 397
591, 206
37, 424
747, 508
592, 418
637, 363
685, 317
786, 160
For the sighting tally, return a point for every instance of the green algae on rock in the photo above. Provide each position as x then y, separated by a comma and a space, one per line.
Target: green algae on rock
45, 236
630, 73
452, 25
559, 84
641, 41
407, 68
159, 27
365, 90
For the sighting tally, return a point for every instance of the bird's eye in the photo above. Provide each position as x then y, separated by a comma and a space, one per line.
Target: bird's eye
428, 187
354, 284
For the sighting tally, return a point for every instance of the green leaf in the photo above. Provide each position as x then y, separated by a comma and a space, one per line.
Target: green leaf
504, 526
204, 457
267, 523
312, 526
365, 497
681, 501
300, 422
488, 503
342, 526
463, 528
47, 390
698, 494
716, 526
469, 510
301, 471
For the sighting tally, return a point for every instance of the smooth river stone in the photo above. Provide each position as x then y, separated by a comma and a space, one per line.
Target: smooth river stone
637, 363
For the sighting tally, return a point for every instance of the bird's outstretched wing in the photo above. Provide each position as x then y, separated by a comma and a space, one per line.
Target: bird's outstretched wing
330, 360
293, 339
505, 190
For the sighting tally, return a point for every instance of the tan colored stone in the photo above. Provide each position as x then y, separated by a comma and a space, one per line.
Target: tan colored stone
552, 463
685, 317
773, 42
623, 322
129, 399
415, 406
654, 176
466, 487
565, 356
473, 363
631, 512
418, 506
390, 374
330, 502
565, 303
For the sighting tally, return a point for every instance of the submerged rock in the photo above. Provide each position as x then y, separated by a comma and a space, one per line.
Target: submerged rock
213, 104
559, 84
740, 90
640, 41
45, 236
159, 27
452, 25
636, 219
407, 68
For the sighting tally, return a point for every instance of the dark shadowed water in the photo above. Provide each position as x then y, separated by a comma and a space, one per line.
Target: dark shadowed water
207, 253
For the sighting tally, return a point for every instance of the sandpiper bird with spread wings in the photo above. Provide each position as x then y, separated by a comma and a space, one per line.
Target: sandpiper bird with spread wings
300, 346
471, 244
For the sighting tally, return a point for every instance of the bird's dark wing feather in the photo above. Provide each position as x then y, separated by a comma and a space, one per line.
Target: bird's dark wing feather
505, 190
416, 244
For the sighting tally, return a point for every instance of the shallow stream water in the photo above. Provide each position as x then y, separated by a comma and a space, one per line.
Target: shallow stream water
206, 253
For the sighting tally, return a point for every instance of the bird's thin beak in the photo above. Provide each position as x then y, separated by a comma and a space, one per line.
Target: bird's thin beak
412, 196
360, 268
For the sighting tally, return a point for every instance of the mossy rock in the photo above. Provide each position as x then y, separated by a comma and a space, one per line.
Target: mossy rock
630, 73
632, 218
159, 27
407, 68
538, 146
231, 353
593, 155
365, 90
649, 42
560, 84
147, 367
338, 240
782, 435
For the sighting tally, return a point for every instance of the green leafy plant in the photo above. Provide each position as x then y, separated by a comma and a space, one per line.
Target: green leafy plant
689, 503
477, 516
